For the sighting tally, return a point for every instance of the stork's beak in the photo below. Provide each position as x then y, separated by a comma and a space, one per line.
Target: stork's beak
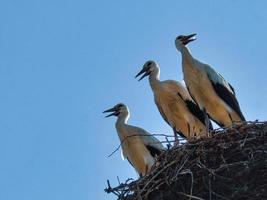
188, 38
113, 110
145, 71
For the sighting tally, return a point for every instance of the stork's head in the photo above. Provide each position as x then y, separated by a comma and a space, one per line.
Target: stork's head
183, 40
117, 110
148, 68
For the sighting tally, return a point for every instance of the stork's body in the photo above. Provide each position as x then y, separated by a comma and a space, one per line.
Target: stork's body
175, 105
138, 146
209, 89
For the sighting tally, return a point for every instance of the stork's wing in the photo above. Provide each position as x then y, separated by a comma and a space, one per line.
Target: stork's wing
224, 90
151, 141
153, 151
162, 112
195, 110
166, 119
130, 161
232, 88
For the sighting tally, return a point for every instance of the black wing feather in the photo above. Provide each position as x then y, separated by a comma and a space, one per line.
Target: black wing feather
232, 88
195, 110
191, 95
217, 122
153, 151
130, 161
181, 134
228, 98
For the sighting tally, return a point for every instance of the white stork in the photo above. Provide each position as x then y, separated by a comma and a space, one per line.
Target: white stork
175, 104
138, 146
208, 88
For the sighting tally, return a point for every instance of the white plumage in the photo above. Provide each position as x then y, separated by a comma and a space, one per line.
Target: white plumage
208, 88
175, 104
138, 146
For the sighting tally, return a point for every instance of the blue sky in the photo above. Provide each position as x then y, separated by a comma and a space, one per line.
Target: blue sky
63, 62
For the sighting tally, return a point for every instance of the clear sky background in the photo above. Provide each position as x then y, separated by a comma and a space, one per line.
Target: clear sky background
62, 62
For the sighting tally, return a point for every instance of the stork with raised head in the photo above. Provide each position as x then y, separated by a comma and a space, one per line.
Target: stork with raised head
175, 105
208, 88
138, 146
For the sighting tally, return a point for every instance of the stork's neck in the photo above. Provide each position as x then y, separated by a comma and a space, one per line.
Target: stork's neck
122, 119
121, 125
186, 54
188, 62
154, 78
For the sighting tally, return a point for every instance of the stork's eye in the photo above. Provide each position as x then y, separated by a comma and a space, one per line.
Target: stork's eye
149, 63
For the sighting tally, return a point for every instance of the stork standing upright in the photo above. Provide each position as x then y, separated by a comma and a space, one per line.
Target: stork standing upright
175, 104
208, 88
138, 146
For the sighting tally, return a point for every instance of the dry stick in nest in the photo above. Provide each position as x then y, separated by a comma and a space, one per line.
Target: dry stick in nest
137, 135
138, 193
160, 172
236, 141
120, 190
157, 174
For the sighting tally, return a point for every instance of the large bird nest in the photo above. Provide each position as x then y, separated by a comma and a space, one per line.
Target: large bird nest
232, 164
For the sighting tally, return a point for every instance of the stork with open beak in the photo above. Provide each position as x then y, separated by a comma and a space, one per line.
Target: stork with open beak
175, 105
138, 146
208, 88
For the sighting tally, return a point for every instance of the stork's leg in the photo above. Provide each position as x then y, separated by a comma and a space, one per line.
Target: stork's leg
176, 140
207, 122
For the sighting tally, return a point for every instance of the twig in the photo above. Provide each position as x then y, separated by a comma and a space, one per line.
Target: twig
138, 135
216, 165
157, 174
138, 193
190, 196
